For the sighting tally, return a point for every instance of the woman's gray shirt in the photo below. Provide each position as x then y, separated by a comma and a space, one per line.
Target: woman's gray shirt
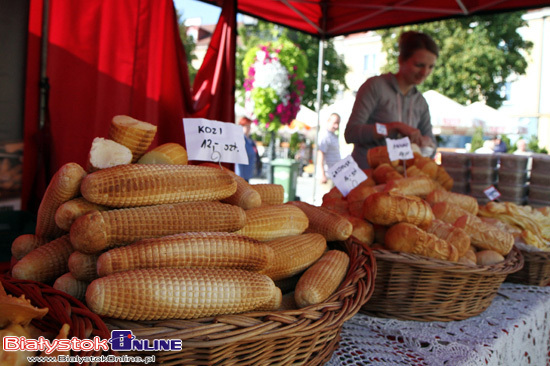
379, 100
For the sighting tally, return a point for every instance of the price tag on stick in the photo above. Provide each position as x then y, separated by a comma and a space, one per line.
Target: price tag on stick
381, 129
208, 140
346, 175
492, 193
399, 149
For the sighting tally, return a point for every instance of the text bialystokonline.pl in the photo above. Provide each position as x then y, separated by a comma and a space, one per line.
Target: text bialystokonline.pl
92, 359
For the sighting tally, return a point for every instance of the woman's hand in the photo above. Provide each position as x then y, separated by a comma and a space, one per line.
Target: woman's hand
426, 141
412, 133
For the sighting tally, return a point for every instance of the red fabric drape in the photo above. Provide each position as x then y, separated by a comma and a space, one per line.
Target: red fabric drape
214, 85
106, 58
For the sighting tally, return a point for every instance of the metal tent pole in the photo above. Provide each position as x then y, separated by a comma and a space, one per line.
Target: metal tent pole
44, 83
319, 101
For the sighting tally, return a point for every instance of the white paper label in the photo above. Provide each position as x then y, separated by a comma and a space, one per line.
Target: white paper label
492, 193
208, 140
399, 149
346, 175
381, 129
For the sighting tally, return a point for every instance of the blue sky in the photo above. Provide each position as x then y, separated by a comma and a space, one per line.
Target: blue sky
209, 14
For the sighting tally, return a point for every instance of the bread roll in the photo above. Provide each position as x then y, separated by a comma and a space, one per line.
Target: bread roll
482, 234
443, 178
362, 229
420, 185
379, 155
168, 153
134, 134
106, 153
426, 165
467, 203
64, 186
356, 197
414, 171
384, 173
467, 261
409, 238
488, 257
332, 225
71, 210
451, 234
388, 208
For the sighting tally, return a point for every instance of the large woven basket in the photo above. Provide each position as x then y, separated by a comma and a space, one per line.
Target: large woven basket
306, 336
535, 271
63, 308
412, 287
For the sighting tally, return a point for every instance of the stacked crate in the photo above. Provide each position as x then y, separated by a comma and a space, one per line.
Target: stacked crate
513, 176
483, 174
457, 165
539, 190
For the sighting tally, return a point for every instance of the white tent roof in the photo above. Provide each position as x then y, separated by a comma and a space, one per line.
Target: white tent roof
448, 116
307, 116
495, 122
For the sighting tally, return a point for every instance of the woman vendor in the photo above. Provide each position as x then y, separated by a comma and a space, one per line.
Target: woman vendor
394, 101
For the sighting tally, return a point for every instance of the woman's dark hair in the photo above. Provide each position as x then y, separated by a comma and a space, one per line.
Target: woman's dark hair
411, 41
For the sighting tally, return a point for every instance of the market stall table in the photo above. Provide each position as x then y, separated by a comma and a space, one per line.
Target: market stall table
514, 330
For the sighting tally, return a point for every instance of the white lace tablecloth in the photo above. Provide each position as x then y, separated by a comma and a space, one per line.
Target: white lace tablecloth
513, 331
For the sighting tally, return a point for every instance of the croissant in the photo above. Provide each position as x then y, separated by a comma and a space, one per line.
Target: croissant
467, 203
388, 208
451, 234
482, 234
405, 237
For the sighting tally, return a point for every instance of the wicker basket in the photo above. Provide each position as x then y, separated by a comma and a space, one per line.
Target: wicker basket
306, 336
63, 308
412, 287
535, 271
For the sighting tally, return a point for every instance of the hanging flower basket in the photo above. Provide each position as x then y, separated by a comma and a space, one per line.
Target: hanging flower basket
274, 83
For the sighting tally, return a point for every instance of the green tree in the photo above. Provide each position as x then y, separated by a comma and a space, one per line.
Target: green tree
334, 68
477, 139
533, 145
478, 55
508, 143
188, 45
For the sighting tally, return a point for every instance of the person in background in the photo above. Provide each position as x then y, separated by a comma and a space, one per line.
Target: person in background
393, 100
487, 148
328, 150
500, 145
247, 171
521, 145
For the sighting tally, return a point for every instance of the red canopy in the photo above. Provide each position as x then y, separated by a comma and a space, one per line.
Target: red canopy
329, 18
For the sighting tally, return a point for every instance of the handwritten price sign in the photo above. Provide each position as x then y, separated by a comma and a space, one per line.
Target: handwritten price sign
346, 175
492, 193
208, 140
399, 149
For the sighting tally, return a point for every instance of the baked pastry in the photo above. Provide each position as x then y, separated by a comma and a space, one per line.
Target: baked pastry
409, 238
482, 234
388, 208
468, 203
451, 234
420, 185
